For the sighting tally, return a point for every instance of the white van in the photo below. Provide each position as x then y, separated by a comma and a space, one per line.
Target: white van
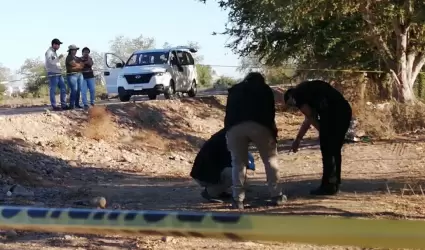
151, 72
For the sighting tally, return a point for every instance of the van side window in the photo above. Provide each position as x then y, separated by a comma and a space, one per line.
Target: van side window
190, 59
182, 57
132, 60
173, 58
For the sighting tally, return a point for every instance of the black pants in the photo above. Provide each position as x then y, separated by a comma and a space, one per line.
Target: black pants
334, 125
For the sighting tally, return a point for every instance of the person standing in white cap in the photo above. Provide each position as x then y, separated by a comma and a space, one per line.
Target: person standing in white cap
54, 73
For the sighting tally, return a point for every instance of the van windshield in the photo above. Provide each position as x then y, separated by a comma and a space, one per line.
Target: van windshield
148, 58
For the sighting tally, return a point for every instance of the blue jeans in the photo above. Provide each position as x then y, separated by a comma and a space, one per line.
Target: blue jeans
89, 84
74, 84
55, 81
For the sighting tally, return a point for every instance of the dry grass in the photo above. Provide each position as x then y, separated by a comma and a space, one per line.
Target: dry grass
391, 119
381, 121
24, 102
100, 125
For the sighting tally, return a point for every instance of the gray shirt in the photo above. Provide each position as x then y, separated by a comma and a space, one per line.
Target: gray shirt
52, 62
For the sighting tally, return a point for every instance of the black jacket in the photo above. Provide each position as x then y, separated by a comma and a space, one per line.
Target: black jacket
251, 101
212, 159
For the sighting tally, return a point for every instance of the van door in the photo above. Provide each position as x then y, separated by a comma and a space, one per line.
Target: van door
176, 73
184, 63
113, 66
191, 73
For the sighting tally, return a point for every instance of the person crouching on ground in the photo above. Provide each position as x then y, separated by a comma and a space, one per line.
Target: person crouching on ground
250, 117
212, 168
89, 81
329, 112
74, 67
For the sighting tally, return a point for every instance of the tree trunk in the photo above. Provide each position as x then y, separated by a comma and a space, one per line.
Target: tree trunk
407, 92
407, 65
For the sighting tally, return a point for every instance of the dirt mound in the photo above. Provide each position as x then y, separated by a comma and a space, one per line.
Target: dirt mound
56, 147
173, 125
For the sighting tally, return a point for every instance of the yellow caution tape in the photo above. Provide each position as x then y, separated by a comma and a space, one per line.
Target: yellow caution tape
263, 227
226, 66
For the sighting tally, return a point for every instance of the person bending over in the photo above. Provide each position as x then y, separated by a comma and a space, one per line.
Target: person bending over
250, 118
212, 168
330, 113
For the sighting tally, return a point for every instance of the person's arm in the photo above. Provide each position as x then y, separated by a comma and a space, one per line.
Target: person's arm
51, 58
306, 110
74, 65
305, 126
88, 62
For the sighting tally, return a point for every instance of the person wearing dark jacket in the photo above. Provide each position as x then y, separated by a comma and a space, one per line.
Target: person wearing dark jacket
250, 117
212, 168
330, 113
89, 82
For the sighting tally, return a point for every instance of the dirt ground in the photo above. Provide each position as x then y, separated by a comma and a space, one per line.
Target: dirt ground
139, 157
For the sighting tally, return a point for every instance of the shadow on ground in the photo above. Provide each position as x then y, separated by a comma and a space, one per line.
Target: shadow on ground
58, 183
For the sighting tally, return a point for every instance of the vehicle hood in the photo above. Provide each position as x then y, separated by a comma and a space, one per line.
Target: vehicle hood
145, 69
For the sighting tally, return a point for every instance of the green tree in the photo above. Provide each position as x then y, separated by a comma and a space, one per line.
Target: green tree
124, 46
362, 34
4, 73
35, 73
274, 75
4, 76
2, 89
224, 82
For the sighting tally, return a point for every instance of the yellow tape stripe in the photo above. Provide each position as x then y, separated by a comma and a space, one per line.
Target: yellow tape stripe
302, 229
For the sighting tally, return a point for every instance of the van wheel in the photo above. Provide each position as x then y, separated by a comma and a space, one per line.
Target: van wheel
193, 90
170, 91
152, 96
123, 96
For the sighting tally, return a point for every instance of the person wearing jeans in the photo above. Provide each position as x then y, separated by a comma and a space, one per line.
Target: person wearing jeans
75, 80
54, 73
89, 80
55, 81
74, 67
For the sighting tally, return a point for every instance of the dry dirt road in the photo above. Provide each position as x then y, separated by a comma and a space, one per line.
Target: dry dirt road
112, 101
139, 157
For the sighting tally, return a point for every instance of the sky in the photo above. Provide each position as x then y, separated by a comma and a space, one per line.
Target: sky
29, 26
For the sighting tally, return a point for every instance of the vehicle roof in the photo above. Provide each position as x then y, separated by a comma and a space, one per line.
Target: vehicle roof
160, 50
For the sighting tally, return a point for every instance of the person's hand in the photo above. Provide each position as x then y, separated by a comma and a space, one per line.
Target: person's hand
295, 145
60, 56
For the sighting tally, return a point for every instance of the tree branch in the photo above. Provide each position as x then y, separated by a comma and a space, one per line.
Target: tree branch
375, 37
417, 66
411, 58
408, 10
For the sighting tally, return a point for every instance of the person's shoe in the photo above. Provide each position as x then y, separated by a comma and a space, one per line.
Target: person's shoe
209, 198
330, 189
92, 104
237, 205
78, 106
279, 200
56, 108
86, 107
